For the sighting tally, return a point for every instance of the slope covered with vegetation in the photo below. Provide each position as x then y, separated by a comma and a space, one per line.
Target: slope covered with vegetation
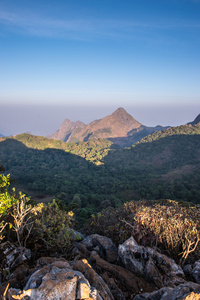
94, 174
93, 150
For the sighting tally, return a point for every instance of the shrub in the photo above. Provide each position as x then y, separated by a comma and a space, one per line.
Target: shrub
6, 202
172, 226
53, 226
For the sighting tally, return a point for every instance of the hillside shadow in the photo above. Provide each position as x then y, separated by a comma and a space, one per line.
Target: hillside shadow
163, 154
54, 171
50, 171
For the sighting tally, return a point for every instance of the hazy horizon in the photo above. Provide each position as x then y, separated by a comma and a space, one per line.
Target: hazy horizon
46, 119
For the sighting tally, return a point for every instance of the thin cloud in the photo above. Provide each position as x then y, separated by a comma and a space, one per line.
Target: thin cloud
83, 29
41, 27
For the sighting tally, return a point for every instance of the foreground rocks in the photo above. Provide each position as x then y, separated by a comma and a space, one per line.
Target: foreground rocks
101, 244
150, 264
53, 283
12, 256
58, 280
100, 271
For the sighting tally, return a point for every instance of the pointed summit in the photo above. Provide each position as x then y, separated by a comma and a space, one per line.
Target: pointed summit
122, 116
120, 110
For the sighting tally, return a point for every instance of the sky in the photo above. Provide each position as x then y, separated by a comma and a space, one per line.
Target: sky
83, 59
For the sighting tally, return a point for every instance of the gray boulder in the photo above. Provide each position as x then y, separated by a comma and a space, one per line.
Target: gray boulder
101, 244
58, 281
150, 264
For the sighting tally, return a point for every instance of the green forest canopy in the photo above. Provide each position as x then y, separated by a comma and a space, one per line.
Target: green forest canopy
162, 165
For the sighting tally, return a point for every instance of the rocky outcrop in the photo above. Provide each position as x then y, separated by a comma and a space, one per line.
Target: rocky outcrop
101, 244
100, 271
128, 281
150, 264
66, 129
58, 280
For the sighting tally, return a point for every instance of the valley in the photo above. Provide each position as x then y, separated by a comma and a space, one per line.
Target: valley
162, 165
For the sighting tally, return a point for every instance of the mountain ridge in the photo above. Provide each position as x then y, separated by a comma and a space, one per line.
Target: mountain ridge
196, 121
66, 129
119, 127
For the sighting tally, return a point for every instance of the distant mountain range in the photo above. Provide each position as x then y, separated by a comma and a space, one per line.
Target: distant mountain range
119, 127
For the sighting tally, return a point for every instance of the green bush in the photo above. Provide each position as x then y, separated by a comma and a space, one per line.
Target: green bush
53, 226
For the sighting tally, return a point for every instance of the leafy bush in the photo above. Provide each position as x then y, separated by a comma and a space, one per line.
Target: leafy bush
7, 200
53, 226
46, 223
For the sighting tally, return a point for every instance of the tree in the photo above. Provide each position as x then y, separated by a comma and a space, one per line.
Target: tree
6, 202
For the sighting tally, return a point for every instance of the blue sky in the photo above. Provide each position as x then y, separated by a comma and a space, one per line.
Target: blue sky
143, 55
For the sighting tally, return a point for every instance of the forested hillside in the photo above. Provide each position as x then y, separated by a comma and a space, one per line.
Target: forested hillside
93, 150
94, 174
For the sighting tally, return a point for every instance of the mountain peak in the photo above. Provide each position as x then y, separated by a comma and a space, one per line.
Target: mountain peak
122, 116
120, 110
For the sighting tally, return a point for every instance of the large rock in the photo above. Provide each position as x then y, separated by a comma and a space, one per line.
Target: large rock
49, 283
150, 264
186, 291
126, 278
101, 244
58, 281
64, 288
